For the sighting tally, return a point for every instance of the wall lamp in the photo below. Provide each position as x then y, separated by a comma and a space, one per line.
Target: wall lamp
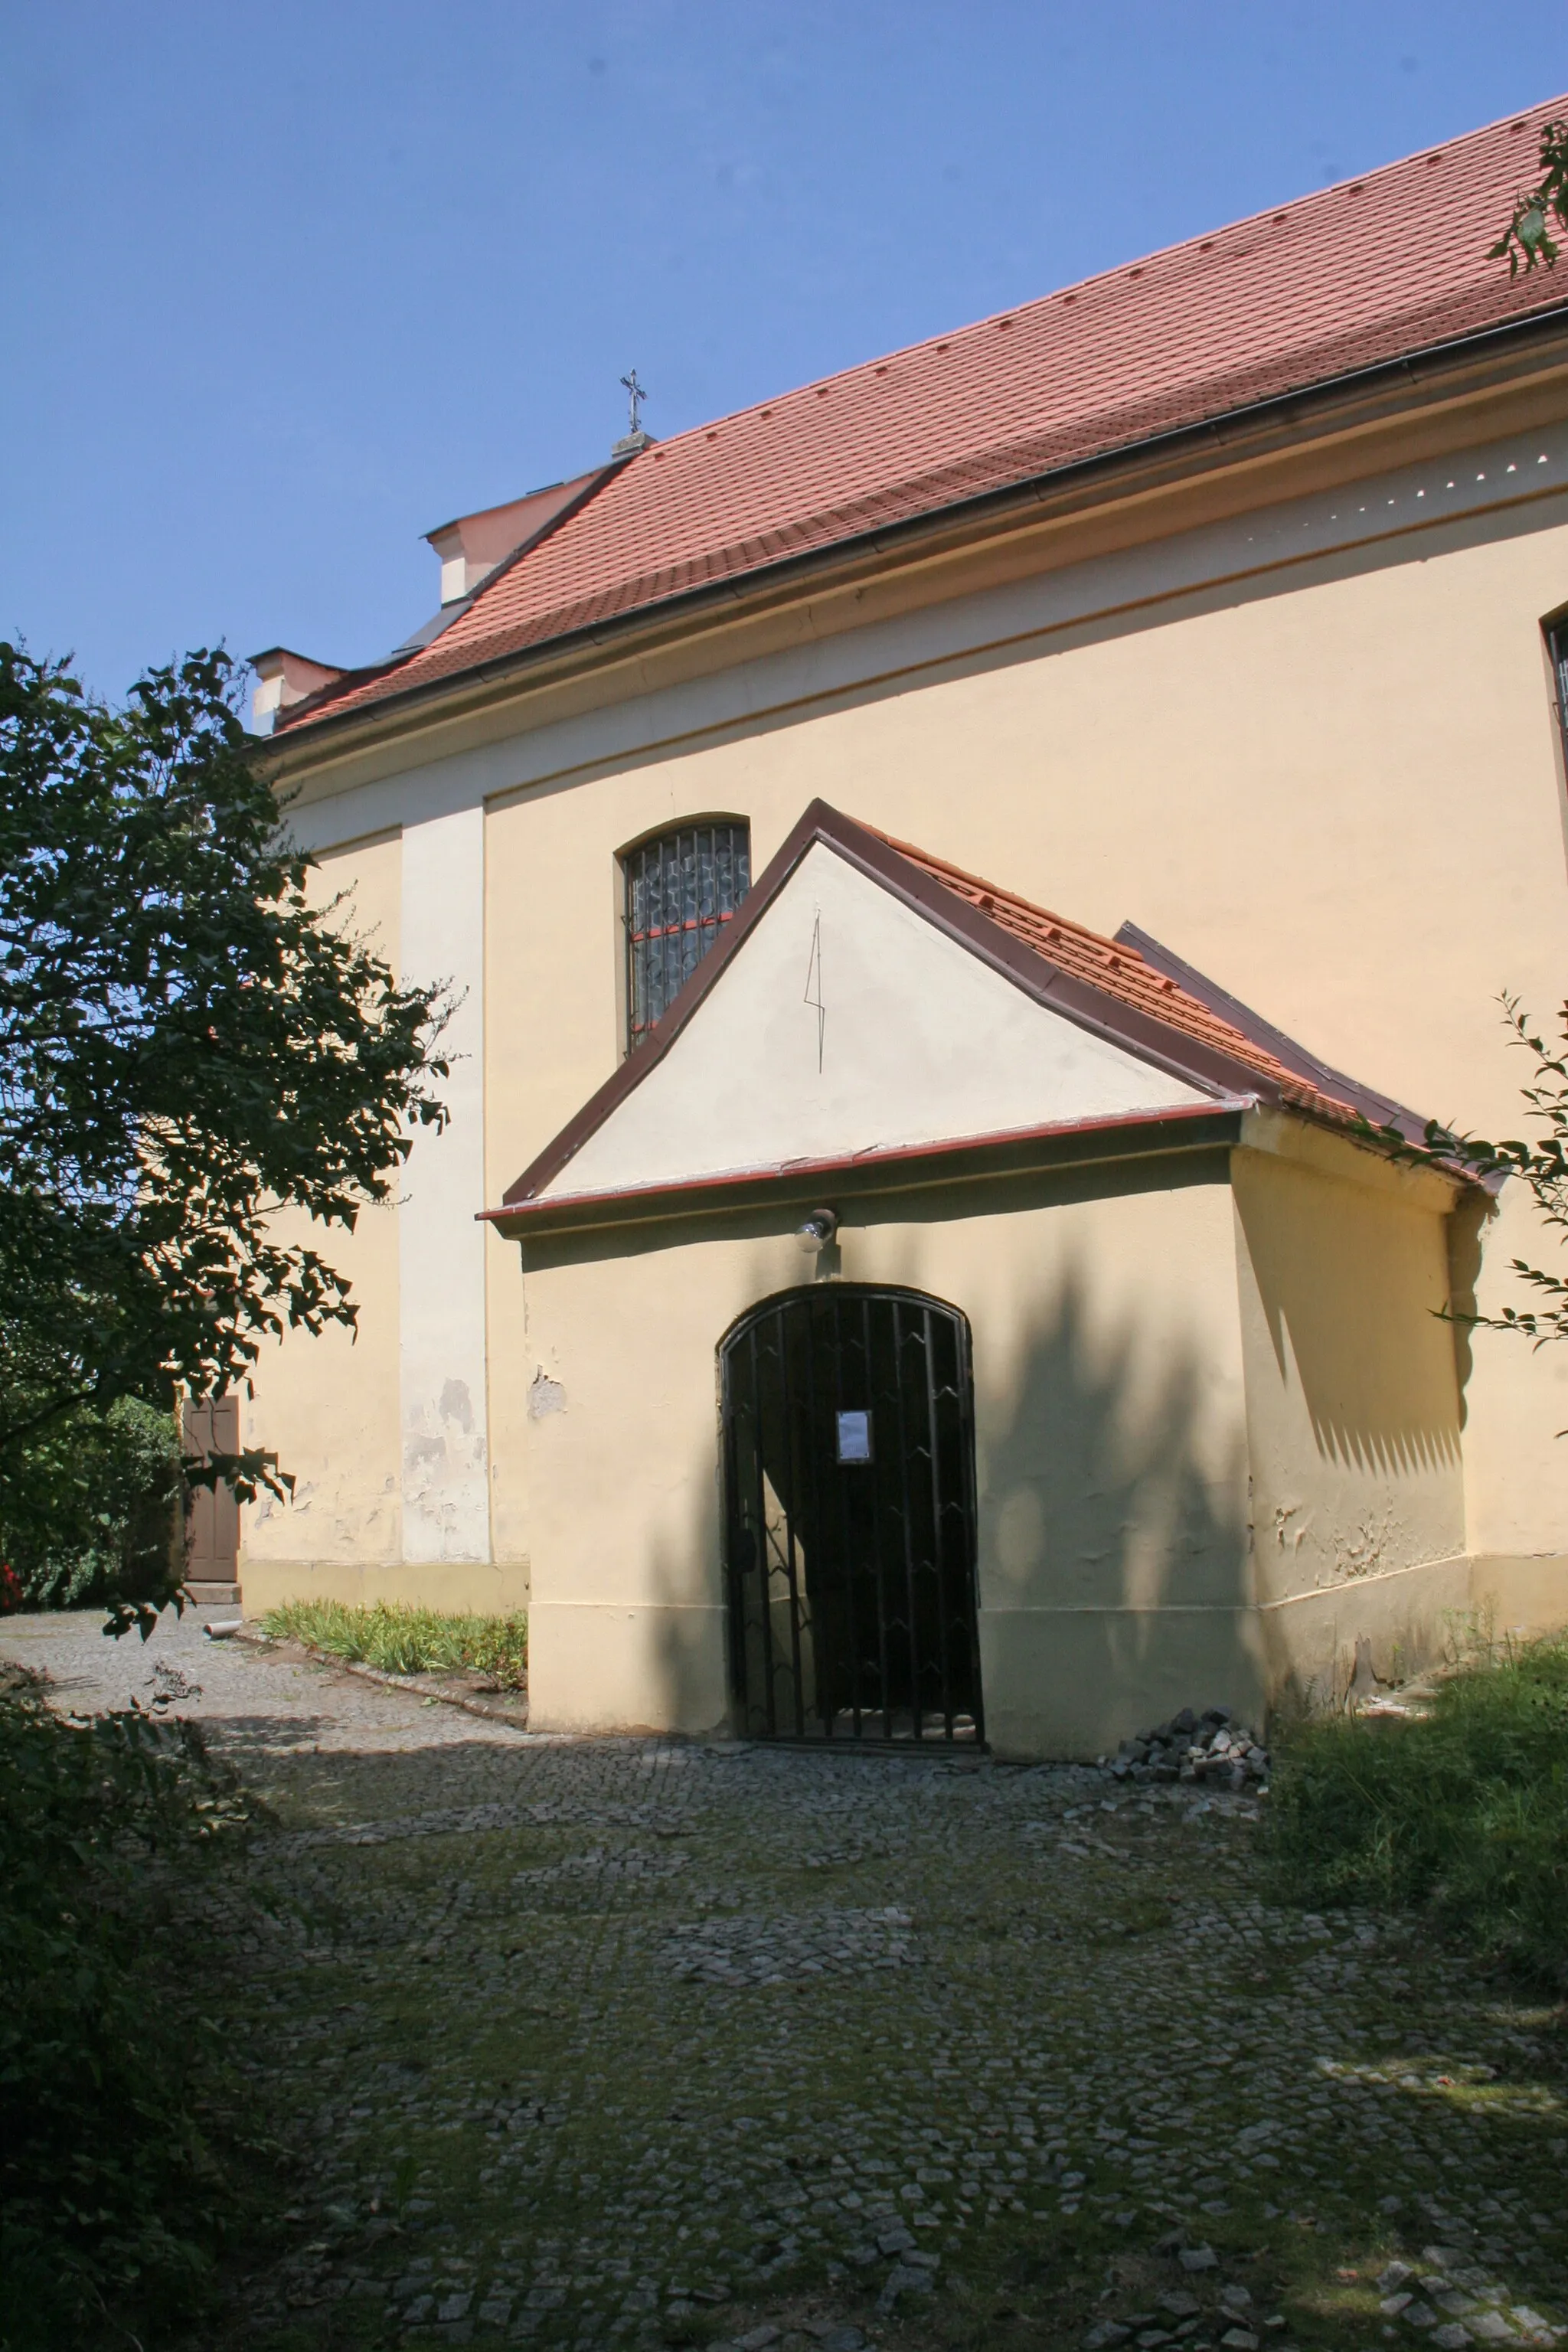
817, 1231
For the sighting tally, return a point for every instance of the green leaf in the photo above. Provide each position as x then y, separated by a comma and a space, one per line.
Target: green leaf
186, 1048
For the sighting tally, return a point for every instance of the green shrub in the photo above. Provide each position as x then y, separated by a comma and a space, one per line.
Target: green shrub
402, 1639
114, 1491
106, 2178
1460, 1812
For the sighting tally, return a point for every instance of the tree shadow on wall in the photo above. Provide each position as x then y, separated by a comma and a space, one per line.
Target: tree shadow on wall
1115, 1550
1113, 1542
688, 1621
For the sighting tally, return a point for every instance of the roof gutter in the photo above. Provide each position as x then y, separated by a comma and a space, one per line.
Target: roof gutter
1542, 327
905, 1168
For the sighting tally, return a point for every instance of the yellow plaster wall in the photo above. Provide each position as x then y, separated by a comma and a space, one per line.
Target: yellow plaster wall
1518, 1597
466, 1587
1336, 790
1174, 1379
1352, 1416
328, 1407
1114, 1578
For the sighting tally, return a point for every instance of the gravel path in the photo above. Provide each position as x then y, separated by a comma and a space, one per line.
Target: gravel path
625, 2043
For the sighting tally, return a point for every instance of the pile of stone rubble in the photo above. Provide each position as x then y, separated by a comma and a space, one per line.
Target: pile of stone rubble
1204, 1747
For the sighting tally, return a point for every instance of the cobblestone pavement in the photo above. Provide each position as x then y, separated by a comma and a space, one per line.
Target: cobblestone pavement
623, 2044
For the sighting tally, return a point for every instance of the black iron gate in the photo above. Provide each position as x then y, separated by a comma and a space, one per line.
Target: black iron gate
849, 1517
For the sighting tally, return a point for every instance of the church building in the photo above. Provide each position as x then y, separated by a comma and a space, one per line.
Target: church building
956, 880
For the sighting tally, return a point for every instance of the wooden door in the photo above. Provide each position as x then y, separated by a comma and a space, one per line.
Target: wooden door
212, 1526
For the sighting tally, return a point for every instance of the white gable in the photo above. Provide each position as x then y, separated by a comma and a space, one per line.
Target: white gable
847, 1023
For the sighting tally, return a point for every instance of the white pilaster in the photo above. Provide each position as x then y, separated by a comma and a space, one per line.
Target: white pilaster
441, 1250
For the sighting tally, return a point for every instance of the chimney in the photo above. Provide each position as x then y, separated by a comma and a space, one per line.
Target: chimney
285, 678
471, 548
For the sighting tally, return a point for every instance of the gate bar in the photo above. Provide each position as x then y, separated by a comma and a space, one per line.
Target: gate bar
787, 1498
936, 1517
917, 1710
764, 1571
876, 1515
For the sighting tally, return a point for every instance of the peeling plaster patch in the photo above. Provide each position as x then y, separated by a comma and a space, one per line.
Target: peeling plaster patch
1366, 1553
444, 1466
1284, 1533
457, 1405
544, 1396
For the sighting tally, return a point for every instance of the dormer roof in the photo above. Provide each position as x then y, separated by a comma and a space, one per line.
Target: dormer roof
950, 1019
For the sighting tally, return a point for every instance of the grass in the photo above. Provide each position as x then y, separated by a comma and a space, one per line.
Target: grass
1460, 1812
108, 2181
402, 1640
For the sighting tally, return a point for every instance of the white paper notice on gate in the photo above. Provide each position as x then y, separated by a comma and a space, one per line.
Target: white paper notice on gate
854, 1437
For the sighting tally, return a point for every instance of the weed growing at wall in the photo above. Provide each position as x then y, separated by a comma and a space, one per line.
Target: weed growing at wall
402, 1639
107, 2178
1461, 1812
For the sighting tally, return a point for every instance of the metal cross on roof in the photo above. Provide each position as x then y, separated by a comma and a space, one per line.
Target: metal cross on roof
636, 395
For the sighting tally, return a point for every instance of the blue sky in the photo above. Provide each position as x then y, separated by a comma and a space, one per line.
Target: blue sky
287, 286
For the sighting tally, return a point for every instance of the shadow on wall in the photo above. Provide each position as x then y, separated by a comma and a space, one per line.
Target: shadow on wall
690, 1666
1114, 1546
1117, 1578
1466, 1236
1115, 1568
1348, 1295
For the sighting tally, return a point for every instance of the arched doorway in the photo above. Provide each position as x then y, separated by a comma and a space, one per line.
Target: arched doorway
849, 1433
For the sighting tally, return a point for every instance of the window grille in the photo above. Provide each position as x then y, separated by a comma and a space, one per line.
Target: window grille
1557, 643
681, 890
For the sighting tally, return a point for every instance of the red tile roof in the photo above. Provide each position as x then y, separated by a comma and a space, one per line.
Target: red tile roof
1351, 277
1117, 971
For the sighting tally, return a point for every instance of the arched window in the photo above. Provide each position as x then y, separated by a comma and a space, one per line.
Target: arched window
682, 887
1557, 645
